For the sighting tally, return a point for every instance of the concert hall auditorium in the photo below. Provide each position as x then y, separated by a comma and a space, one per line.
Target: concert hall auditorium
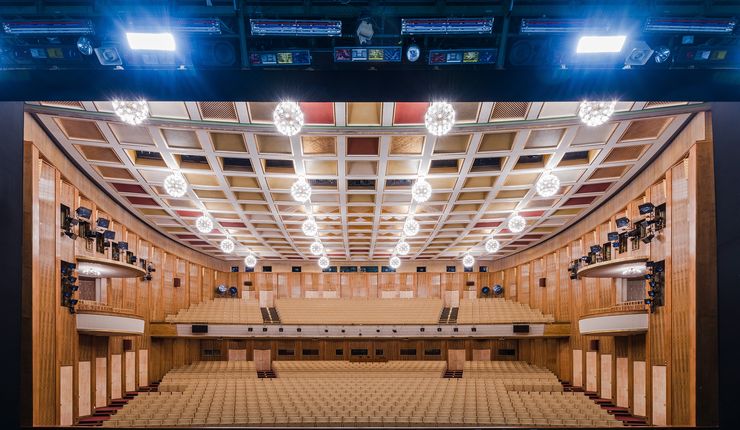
362, 214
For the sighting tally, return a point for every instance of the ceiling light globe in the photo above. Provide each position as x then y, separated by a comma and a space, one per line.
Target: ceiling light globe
468, 260
250, 261
316, 248
410, 227
492, 245
227, 246
548, 185
440, 118
403, 247
131, 112
288, 118
204, 224
309, 227
394, 262
324, 262
300, 190
517, 224
175, 185
421, 191
596, 113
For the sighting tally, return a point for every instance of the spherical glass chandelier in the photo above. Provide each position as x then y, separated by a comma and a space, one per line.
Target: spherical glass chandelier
394, 262
227, 246
288, 118
316, 248
410, 227
440, 118
403, 247
175, 185
548, 185
300, 190
468, 260
324, 262
421, 191
250, 261
131, 112
492, 245
596, 113
204, 224
309, 227
517, 224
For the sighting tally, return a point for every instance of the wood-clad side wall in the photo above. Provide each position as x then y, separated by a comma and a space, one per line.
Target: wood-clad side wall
665, 391
72, 373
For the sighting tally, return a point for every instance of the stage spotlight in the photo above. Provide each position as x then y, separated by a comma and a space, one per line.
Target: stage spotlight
646, 208
151, 41
221, 290
596, 249
83, 212
102, 223
123, 246
623, 222
662, 53
109, 235
648, 238
84, 45
498, 290
413, 53
600, 44
485, 291
612, 236
365, 31
233, 291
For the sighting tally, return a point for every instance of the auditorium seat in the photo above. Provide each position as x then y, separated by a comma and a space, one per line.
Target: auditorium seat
499, 311
336, 394
359, 311
219, 311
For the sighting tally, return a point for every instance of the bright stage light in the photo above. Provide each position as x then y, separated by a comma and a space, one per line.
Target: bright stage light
151, 41
440, 118
288, 118
596, 113
600, 44
131, 112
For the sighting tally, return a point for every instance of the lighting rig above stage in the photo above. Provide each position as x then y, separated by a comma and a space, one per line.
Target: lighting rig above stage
259, 35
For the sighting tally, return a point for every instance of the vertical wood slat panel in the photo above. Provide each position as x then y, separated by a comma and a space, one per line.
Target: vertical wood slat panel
101, 382
606, 376
640, 392
659, 378
623, 382
592, 383
577, 368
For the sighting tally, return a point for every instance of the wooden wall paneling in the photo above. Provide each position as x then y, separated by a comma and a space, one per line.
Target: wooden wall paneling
482, 354
66, 395
130, 370
143, 369
455, 359
101, 382
592, 372
84, 391
115, 376
623, 383
640, 389
606, 376
703, 377
196, 294
262, 359
577, 368
659, 377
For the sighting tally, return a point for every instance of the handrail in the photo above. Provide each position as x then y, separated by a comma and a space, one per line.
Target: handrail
89, 306
631, 306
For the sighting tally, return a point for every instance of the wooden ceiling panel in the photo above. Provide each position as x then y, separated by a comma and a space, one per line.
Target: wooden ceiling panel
241, 173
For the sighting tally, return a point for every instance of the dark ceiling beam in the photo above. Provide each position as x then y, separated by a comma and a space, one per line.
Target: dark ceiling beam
378, 86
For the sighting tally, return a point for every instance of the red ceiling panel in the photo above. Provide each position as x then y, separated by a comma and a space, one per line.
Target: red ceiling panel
128, 188
529, 214
579, 201
362, 145
186, 236
194, 214
318, 113
488, 224
142, 201
594, 188
231, 224
198, 242
410, 113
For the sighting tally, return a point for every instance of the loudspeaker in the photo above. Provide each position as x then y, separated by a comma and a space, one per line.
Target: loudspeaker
214, 53
127, 345
199, 329
521, 328
543, 282
594, 345
176, 282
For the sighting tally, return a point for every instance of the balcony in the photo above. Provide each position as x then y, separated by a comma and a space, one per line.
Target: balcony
621, 319
99, 319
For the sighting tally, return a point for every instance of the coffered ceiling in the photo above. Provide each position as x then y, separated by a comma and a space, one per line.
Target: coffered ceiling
361, 159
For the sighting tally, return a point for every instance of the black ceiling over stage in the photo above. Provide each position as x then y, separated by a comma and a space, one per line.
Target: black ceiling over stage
363, 85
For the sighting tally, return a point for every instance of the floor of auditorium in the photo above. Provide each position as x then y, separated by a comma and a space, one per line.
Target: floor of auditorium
348, 394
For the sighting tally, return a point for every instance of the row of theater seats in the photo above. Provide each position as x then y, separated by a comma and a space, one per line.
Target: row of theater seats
389, 397
332, 369
359, 311
493, 311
